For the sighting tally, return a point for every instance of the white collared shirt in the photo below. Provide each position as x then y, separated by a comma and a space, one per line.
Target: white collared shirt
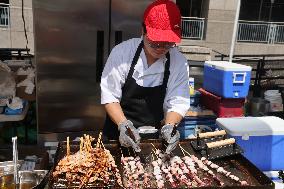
118, 65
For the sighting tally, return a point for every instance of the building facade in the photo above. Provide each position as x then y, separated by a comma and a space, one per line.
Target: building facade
259, 27
207, 26
12, 32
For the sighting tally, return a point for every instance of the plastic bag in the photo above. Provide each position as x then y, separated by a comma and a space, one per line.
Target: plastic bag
7, 82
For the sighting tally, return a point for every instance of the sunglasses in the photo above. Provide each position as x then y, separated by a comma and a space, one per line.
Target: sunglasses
164, 45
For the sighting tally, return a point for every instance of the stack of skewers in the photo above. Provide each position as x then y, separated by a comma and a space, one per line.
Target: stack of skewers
88, 167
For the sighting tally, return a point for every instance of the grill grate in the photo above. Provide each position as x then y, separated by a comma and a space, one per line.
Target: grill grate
238, 165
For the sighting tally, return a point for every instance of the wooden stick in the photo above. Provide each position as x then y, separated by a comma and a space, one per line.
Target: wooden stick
221, 143
121, 152
155, 149
212, 134
103, 145
84, 142
81, 144
154, 146
89, 143
68, 147
181, 150
99, 140
184, 150
153, 152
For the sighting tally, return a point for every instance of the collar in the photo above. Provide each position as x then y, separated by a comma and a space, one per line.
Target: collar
142, 68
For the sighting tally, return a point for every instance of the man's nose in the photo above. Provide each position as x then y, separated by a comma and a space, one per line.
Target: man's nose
162, 48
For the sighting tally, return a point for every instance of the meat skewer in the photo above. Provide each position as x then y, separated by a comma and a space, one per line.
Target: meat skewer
223, 171
157, 164
203, 165
88, 166
134, 175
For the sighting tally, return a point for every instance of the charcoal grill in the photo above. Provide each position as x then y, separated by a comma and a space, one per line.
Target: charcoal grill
238, 165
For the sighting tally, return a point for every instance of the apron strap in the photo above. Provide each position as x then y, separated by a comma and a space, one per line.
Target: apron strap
134, 61
167, 71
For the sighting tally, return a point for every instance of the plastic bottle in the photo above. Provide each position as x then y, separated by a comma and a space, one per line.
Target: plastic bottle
191, 86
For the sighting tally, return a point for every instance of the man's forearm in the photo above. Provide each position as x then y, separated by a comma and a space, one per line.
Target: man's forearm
115, 112
173, 118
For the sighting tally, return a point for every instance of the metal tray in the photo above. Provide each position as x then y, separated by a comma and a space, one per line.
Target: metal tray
237, 164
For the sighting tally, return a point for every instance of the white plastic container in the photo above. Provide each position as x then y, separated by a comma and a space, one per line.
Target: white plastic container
262, 139
274, 176
275, 99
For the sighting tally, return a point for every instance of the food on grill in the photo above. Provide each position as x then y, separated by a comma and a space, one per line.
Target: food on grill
88, 166
158, 165
179, 172
94, 167
222, 171
134, 175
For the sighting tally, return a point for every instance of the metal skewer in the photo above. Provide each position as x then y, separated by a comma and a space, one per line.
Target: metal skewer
15, 160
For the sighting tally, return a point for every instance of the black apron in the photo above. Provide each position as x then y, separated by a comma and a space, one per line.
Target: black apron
141, 105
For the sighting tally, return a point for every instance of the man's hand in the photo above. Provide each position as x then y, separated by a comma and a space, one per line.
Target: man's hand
124, 137
172, 141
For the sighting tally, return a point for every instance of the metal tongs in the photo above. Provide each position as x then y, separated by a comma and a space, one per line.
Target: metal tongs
165, 144
137, 151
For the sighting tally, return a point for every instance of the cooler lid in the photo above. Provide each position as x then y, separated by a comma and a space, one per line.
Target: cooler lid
227, 66
252, 126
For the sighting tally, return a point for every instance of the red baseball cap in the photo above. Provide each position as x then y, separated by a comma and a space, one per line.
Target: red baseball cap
163, 21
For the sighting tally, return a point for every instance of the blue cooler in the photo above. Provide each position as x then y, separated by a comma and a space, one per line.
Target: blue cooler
226, 79
189, 123
262, 139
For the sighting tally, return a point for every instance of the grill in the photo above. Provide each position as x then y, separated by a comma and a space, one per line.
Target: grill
238, 165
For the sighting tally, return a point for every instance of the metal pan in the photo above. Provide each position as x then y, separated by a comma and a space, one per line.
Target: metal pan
238, 165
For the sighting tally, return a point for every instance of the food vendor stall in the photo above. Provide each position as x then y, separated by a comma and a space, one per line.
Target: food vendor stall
72, 42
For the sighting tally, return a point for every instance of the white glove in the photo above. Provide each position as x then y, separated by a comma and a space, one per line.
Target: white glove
124, 138
172, 141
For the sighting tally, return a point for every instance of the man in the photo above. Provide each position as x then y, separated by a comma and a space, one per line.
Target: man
145, 80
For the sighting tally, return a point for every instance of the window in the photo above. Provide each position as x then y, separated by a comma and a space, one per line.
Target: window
4, 13
193, 8
4, 1
193, 14
262, 10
